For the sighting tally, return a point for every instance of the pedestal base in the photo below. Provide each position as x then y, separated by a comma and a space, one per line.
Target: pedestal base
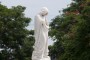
48, 58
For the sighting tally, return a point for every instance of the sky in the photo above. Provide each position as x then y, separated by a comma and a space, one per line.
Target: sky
34, 6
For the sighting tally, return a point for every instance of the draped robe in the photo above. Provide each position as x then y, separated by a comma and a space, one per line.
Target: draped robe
41, 28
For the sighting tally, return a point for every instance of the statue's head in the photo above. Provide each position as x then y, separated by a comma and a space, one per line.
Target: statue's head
44, 11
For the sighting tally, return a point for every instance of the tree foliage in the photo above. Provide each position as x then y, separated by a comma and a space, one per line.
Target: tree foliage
71, 30
15, 40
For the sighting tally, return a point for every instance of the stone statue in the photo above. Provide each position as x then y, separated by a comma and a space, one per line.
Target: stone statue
41, 36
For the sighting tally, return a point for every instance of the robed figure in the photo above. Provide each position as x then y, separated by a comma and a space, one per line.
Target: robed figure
41, 28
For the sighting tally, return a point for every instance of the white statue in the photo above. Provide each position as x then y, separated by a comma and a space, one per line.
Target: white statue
41, 36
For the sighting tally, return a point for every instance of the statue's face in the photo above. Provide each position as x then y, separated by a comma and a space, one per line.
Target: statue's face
44, 11
45, 14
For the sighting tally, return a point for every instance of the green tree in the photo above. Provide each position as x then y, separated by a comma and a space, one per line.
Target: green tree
72, 31
15, 40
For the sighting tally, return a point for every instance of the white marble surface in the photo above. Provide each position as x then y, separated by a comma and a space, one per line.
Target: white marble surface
41, 36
